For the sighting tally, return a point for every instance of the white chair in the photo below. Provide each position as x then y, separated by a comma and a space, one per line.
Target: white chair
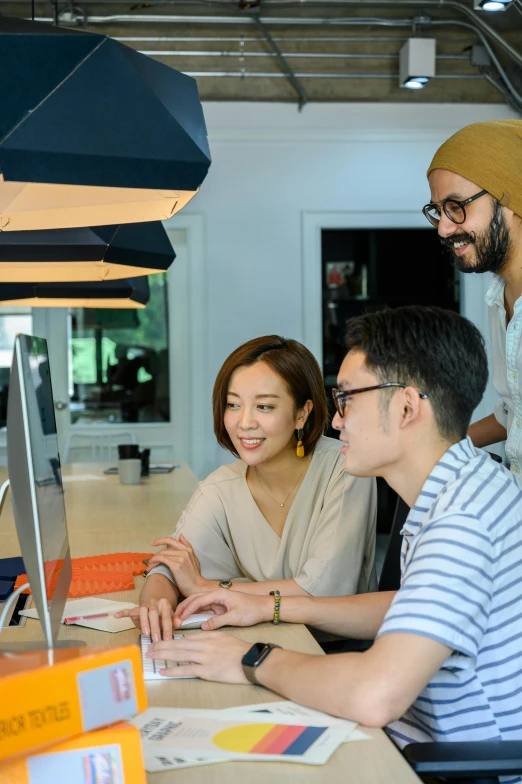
101, 440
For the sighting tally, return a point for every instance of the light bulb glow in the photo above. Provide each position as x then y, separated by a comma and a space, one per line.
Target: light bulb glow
493, 5
414, 84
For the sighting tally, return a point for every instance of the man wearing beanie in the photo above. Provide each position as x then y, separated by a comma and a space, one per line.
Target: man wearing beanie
476, 205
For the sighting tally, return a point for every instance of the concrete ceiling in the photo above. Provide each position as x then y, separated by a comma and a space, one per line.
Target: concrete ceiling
331, 50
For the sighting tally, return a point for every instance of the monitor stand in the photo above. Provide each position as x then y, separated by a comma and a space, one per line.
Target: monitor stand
3, 494
30, 645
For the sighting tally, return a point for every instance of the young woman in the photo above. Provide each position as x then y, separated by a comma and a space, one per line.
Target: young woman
285, 515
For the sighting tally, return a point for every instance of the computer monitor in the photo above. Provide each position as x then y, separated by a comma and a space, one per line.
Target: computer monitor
36, 483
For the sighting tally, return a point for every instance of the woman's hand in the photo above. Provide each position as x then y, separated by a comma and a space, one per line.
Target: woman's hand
152, 616
212, 657
231, 608
182, 561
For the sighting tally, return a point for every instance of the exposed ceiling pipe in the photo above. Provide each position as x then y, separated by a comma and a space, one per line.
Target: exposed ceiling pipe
517, 98
235, 20
255, 39
306, 75
325, 21
296, 55
288, 70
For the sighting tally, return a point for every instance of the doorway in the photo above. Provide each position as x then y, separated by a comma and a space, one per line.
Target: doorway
366, 270
356, 262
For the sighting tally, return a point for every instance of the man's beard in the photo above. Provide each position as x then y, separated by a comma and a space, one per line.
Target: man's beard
492, 248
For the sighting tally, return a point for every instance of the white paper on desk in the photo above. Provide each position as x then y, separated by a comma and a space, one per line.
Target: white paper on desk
162, 761
357, 735
90, 606
212, 735
109, 624
165, 761
286, 708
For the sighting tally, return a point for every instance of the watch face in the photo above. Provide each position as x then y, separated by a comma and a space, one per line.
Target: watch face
251, 657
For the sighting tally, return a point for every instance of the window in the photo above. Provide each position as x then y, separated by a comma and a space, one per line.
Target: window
12, 321
120, 362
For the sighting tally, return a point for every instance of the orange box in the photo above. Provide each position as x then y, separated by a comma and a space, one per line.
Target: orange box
109, 756
50, 696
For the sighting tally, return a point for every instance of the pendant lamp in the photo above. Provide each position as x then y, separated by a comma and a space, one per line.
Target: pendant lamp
131, 293
92, 132
99, 253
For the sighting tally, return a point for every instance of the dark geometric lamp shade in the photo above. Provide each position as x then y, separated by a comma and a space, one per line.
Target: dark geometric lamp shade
92, 132
131, 293
85, 254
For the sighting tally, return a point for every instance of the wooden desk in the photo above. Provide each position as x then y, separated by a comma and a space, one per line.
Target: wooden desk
104, 516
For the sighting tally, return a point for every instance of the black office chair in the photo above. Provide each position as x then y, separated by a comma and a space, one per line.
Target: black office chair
389, 580
478, 762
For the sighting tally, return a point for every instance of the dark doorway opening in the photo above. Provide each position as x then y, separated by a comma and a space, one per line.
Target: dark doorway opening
366, 270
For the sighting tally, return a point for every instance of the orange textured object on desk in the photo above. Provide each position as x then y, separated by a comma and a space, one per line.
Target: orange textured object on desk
49, 697
95, 574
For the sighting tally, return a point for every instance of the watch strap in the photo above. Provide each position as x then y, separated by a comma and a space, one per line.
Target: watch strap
250, 669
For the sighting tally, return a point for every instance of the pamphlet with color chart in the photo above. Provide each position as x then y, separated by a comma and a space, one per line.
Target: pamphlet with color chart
244, 736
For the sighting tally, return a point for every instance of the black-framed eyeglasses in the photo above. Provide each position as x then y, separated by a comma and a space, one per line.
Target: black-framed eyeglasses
340, 396
454, 210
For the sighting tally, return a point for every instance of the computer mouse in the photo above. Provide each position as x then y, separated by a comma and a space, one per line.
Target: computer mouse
195, 620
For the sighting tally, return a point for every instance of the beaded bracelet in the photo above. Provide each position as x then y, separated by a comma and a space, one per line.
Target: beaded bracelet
277, 605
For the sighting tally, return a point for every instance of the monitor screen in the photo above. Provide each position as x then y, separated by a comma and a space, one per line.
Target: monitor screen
36, 482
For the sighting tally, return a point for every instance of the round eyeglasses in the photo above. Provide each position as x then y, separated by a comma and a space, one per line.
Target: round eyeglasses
341, 396
453, 209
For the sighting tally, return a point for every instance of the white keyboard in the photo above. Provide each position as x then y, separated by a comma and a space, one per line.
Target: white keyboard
151, 667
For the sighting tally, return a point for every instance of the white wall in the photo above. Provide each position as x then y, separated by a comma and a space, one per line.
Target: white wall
270, 165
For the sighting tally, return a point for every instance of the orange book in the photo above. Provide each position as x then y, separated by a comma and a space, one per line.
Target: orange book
50, 696
109, 756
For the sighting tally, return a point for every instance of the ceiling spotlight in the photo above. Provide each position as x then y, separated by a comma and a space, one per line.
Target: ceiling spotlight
416, 83
417, 63
491, 5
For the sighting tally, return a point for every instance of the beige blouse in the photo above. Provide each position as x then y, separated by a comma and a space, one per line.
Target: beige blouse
328, 541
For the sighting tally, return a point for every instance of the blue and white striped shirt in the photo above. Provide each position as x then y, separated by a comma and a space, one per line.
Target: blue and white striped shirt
461, 585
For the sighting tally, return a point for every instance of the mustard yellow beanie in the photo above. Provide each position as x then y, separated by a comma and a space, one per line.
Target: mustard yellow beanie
490, 155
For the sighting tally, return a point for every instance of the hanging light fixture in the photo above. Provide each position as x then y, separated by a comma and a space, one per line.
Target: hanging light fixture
131, 293
92, 132
417, 63
99, 253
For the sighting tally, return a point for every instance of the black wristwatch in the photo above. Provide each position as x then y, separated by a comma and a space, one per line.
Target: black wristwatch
254, 657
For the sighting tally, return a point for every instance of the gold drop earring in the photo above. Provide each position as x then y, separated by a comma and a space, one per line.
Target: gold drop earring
300, 448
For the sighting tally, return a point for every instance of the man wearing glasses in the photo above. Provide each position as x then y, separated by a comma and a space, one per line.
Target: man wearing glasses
476, 190
447, 660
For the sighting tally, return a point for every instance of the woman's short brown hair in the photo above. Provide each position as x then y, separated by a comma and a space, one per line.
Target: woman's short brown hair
300, 372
